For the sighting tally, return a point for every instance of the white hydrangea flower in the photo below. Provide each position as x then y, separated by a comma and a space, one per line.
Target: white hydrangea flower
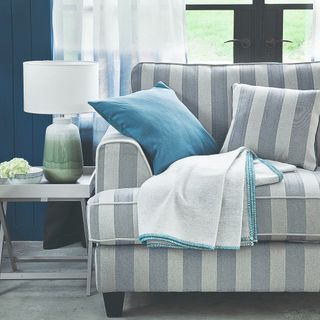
9, 169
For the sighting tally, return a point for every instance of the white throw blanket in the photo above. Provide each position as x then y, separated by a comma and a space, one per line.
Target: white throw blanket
205, 202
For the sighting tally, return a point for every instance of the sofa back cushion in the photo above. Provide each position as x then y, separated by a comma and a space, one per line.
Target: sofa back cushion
206, 89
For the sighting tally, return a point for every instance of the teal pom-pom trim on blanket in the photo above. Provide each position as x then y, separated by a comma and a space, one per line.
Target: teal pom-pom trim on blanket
272, 168
172, 242
251, 199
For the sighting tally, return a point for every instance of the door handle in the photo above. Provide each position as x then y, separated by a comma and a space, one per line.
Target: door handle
270, 43
245, 43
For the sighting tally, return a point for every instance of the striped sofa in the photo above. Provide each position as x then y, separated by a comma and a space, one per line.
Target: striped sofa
287, 256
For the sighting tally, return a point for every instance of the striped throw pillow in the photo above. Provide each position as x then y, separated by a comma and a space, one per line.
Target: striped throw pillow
277, 124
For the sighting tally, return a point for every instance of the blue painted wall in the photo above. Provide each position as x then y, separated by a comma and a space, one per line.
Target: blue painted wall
25, 34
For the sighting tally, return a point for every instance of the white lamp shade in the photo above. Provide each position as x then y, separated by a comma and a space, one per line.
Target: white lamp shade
60, 87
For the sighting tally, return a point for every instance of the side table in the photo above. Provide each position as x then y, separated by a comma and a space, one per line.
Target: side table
45, 192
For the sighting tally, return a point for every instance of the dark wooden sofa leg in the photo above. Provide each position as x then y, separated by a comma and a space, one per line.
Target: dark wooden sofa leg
113, 302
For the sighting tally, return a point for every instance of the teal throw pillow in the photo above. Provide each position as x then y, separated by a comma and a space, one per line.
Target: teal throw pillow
160, 122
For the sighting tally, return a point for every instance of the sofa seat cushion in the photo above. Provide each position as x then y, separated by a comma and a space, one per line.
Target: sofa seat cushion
286, 211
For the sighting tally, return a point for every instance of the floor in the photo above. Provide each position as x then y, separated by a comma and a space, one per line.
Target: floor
57, 299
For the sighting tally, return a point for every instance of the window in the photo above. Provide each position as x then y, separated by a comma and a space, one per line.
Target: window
206, 33
225, 31
297, 28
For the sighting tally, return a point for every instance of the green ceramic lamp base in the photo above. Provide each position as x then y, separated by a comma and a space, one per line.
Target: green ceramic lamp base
62, 160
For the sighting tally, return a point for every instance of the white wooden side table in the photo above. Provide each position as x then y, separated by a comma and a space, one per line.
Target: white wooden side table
45, 192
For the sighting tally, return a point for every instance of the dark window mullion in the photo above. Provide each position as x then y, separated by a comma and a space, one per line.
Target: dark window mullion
257, 30
296, 6
272, 30
242, 30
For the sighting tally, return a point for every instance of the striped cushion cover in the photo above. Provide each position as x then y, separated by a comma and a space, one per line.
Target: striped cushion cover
266, 267
286, 211
277, 124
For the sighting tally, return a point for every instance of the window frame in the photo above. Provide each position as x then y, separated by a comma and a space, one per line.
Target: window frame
254, 21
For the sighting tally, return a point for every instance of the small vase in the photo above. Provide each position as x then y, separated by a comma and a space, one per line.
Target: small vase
62, 160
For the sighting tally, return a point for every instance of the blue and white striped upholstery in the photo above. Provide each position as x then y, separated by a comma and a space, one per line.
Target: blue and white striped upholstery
206, 91
275, 123
286, 211
120, 162
112, 217
266, 267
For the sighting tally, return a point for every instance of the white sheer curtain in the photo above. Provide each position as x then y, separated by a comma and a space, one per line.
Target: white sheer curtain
315, 34
118, 34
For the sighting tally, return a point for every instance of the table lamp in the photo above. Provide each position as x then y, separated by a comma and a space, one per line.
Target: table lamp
60, 88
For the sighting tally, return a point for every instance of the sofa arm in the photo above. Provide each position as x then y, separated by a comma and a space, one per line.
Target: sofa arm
120, 162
